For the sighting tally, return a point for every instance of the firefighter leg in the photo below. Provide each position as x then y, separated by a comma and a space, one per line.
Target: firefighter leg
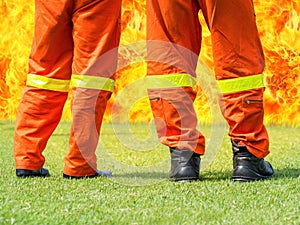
88, 107
239, 62
96, 39
173, 46
47, 87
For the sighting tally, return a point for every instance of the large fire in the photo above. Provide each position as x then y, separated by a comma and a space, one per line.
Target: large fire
278, 22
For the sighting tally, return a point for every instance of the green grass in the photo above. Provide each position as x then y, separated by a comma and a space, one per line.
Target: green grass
140, 192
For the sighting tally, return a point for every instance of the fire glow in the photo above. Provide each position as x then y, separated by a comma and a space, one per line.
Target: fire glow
279, 27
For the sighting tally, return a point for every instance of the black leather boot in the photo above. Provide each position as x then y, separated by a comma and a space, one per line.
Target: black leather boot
185, 165
22, 173
247, 167
99, 173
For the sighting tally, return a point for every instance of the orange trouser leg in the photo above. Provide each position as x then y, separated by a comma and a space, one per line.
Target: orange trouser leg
96, 39
174, 39
238, 52
63, 30
40, 110
173, 36
38, 115
175, 118
88, 107
245, 112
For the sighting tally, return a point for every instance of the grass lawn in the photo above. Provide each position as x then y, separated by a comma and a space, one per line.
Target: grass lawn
140, 193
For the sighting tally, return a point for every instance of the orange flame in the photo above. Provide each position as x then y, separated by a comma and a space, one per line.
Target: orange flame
278, 22
279, 25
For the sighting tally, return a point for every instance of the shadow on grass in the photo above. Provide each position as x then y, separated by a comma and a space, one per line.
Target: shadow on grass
160, 175
283, 173
206, 176
145, 175
286, 173
139, 178
216, 176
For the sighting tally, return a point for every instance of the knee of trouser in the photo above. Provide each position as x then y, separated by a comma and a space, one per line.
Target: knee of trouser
89, 100
88, 108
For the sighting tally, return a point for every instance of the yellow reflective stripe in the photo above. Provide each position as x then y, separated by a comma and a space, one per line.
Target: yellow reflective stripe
241, 83
93, 82
47, 83
170, 81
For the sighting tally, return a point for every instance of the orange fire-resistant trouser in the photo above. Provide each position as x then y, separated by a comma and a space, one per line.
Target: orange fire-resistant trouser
71, 37
237, 52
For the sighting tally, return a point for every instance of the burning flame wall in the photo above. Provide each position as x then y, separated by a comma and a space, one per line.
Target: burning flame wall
278, 22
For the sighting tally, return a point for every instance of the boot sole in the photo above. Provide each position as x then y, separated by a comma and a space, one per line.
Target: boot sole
184, 179
32, 176
250, 177
22, 173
